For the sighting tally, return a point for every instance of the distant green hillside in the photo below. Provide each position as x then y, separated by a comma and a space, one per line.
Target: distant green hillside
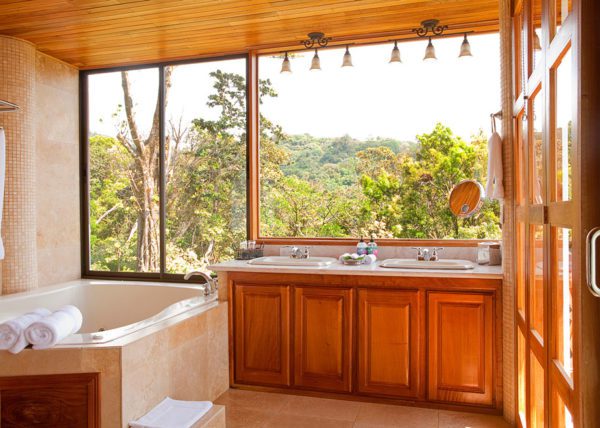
335, 159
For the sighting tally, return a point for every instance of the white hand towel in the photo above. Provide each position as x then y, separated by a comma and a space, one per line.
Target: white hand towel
370, 259
171, 413
12, 332
495, 188
2, 178
47, 332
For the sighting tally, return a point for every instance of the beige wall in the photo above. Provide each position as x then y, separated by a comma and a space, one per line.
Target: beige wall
41, 207
57, 169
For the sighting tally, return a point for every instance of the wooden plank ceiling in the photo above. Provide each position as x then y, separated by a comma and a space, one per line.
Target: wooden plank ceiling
104, 33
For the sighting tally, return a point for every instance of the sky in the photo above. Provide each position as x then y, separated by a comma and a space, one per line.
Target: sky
371, 99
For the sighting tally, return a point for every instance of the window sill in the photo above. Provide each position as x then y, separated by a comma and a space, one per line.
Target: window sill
380, 242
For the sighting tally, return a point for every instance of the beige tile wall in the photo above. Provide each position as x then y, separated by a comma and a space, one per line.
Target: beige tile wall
57, 169
17, 85
41, 211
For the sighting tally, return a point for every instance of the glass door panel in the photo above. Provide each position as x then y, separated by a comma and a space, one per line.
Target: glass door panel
563, 130
521, 273
537, 33
536, 387
561, 416
562, 295
521, 378
536, 280
536, 148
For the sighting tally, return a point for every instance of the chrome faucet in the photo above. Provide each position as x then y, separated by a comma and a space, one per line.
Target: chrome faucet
427, 255
211, 284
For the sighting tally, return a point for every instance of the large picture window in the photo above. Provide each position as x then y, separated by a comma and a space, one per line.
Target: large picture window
166, 166
375, 149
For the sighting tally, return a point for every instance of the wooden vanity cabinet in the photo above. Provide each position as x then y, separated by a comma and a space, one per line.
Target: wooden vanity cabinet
262, 334
460, 342
412, 339
388, 342
323, 338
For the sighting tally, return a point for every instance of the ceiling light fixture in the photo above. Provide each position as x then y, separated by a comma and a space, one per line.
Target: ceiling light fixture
315, 64
347, 62
465, 48
316, 39
395, 58
430, 26
286, 66
429, 52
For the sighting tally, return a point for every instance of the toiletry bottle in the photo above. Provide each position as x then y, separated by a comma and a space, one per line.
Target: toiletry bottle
361, 247
372, 247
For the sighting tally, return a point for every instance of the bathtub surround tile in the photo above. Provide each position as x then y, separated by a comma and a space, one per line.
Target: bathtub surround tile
186, 361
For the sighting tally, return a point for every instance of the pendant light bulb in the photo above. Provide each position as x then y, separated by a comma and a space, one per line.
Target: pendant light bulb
465, 48
315, 65
347, 62
429, 52
395, 58
286, 66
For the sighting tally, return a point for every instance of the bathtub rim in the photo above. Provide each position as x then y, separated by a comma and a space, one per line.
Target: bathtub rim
147, 326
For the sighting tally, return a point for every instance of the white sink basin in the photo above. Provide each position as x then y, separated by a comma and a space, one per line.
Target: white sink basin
288, 261
421, 264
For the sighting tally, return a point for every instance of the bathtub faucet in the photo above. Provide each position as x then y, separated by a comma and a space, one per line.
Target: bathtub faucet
211, 284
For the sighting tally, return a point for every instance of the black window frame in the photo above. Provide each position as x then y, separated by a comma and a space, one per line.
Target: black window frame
84, 176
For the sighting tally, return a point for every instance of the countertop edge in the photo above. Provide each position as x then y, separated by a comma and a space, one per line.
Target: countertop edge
494, 272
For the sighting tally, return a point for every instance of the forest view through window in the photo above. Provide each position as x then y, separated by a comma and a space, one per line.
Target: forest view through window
204, 166
375, 149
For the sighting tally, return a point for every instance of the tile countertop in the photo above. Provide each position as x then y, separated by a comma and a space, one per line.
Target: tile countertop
480, 272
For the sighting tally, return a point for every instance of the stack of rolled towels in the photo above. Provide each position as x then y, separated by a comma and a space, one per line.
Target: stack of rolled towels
41, 328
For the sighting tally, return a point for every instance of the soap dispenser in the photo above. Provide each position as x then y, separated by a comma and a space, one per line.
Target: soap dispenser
361, 247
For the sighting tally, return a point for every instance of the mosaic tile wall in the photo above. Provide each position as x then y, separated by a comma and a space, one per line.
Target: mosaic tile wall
17, 85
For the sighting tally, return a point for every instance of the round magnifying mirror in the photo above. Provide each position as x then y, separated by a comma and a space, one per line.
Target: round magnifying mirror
466, 198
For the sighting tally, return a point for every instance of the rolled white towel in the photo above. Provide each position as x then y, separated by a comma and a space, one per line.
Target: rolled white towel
47, 332
370, 259
12, 332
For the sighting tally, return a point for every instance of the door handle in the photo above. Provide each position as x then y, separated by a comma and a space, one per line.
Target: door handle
591, 261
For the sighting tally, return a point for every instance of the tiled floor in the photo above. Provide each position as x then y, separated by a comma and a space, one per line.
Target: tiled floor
250, 409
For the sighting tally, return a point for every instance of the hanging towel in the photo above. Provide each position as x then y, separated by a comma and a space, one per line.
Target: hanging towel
48, 331
12, 332
495, 188
2, 176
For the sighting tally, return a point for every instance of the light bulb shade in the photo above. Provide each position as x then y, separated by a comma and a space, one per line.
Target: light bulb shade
537, 45
286, 65
395, 55
465, 48
429, 52
315, 64
347, 62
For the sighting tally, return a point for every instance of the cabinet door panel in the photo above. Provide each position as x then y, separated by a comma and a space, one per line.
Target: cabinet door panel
388, 345
262, 323
460, 348
323, 338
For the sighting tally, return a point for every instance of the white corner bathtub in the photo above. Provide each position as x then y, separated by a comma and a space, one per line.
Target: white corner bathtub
112, 309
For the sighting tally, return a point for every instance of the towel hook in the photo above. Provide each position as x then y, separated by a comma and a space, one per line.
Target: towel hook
493, 117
